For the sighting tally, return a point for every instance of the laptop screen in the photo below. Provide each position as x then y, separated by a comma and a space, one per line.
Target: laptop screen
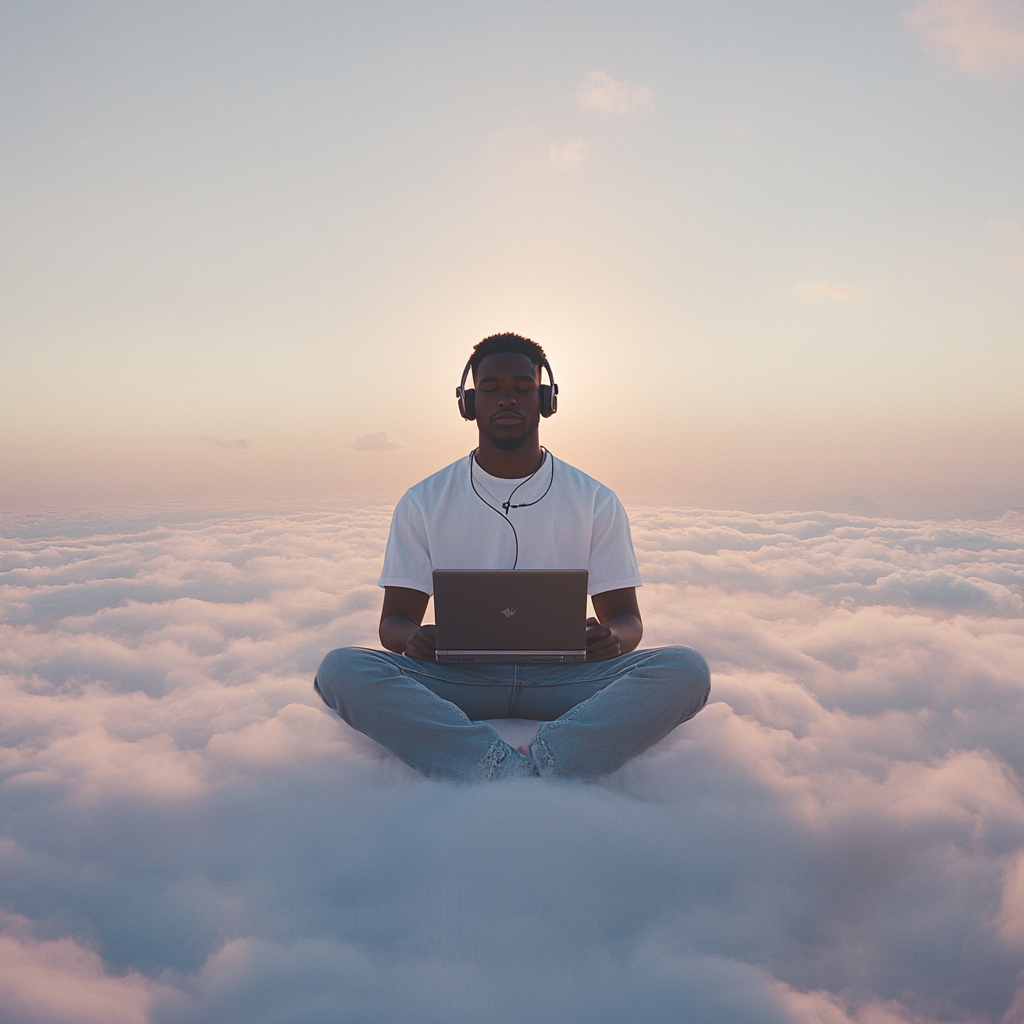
511, 615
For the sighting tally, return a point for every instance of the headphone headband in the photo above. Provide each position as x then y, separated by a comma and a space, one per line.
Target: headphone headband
467, 396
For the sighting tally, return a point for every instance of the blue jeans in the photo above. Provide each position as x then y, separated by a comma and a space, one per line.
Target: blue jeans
596, 715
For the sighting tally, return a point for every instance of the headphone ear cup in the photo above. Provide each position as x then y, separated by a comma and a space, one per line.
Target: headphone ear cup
548, 400
467, 403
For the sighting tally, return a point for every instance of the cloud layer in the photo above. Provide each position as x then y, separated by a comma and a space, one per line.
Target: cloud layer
189, 836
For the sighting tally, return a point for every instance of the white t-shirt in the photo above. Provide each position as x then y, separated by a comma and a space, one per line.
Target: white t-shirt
578, 524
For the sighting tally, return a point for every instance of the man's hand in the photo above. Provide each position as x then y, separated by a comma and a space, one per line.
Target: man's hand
602, 643
618, 628
400, 617
422, 644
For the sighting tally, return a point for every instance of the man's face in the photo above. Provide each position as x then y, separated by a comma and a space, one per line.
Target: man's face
507, 399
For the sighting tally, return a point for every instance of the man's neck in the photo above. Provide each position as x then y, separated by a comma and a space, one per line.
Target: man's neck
510, 465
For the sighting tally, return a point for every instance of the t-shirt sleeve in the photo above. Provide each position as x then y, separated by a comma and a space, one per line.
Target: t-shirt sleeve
407, 556
612, 560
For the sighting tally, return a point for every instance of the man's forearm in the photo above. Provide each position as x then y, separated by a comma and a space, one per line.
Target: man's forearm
628, 628
395, 631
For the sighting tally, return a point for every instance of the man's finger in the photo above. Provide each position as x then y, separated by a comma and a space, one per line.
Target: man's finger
604, 653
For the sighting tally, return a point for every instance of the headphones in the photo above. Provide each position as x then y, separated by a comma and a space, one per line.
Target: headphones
467, 396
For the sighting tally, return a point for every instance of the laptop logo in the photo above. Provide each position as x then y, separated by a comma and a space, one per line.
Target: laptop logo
508, 612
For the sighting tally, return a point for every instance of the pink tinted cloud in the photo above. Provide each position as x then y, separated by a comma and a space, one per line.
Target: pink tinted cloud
53, 981
604, 94
983, 37
567, 156
179, 805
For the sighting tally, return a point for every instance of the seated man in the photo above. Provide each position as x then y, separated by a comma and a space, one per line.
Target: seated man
511, 504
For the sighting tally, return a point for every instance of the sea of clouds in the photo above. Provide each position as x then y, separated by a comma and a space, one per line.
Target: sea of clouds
188, 835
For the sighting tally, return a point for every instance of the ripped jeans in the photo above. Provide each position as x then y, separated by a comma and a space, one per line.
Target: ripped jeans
596, 715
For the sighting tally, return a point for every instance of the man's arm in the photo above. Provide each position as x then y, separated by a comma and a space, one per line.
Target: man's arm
618, 627
400, 618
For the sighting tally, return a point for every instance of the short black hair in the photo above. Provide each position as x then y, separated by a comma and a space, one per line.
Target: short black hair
507, 343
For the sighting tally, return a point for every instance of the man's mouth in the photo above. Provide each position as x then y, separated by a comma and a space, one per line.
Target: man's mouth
506, 419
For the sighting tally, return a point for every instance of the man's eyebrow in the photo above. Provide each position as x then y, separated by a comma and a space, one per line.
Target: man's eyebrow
518, 376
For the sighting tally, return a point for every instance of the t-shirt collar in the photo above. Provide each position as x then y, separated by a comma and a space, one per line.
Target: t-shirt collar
500, 487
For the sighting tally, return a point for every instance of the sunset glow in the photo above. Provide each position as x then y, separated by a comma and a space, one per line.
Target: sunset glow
770, 248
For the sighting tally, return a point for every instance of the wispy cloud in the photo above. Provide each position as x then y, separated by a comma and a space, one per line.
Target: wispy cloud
600, 92
375, 441
567, 156
984, 37
233, 444
830, 290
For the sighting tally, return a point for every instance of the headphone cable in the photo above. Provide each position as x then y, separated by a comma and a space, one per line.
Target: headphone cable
508, 504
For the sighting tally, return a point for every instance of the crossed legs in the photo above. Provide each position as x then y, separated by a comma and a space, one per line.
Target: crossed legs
596, 716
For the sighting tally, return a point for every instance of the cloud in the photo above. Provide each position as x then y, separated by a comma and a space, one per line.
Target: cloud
598, 91
375, 441
830, 290
569, 155
190, 836
983, 37
61, 980
235, 444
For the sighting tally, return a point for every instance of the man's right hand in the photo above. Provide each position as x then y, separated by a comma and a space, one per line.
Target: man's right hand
422, 644
400, 617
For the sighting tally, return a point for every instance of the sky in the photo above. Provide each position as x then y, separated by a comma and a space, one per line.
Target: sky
189, 835
774, 251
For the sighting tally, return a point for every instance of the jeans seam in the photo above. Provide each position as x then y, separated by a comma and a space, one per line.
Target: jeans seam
513, 691
422, 669
611, 675
414, 672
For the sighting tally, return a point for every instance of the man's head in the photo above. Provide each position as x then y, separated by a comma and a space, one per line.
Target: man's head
508, 400
498, 343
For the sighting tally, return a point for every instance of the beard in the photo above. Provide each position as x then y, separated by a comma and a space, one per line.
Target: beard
506, 443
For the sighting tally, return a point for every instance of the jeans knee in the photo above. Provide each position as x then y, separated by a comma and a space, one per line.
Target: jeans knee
690, 672
341, 672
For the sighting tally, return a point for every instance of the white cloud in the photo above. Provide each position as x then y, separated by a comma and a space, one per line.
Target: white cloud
837, 838
600, 92
375, 441
976, 36
830, 290
567, 156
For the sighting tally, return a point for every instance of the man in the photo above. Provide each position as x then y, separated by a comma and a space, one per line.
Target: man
511, 504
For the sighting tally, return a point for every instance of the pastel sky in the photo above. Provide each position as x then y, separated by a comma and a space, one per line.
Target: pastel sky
775, 251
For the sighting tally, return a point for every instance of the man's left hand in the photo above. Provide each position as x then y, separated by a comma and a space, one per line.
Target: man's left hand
602, 643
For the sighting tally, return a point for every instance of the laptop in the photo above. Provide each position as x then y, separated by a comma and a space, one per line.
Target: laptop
511, 616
